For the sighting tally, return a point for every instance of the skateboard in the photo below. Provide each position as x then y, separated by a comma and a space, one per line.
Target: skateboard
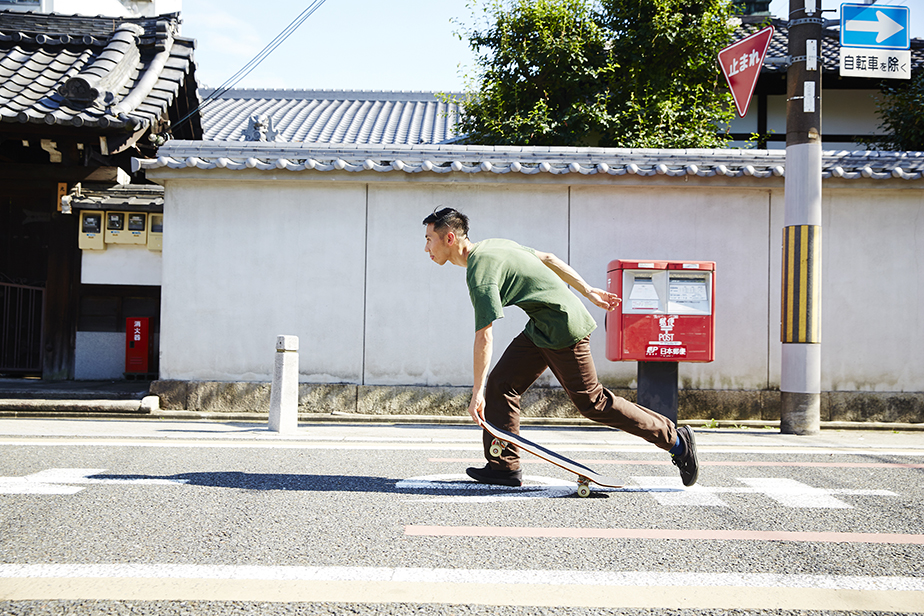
586, 475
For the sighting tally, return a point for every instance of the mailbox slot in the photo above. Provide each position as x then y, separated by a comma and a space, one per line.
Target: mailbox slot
666, 313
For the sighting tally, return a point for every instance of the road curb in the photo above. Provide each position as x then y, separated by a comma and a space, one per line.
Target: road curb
147, 409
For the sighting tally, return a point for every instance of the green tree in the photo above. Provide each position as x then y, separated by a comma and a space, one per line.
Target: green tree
899, 110
668, 90
541, 64
624, 73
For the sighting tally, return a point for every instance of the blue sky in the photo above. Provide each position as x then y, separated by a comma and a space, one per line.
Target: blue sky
345, 44
358, 44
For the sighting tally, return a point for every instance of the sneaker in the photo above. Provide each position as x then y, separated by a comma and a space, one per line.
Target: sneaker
687, 462
500, 478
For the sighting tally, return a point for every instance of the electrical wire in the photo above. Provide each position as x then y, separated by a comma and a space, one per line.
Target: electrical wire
254, 63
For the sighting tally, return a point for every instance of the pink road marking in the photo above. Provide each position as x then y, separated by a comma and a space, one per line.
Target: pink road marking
709, 463
654, 533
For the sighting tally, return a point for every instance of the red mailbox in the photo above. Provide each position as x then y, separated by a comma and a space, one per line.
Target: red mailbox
137, 345
666, 312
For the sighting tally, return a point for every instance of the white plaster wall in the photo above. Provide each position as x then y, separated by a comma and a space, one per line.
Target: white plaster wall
685, 223
775, 286
872, 333
338, 260
247, 261
132, 265
99, 355
419, 319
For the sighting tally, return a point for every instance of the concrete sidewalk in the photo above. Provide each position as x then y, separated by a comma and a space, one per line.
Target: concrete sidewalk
65, 430
26, 388
86, 400
37, 397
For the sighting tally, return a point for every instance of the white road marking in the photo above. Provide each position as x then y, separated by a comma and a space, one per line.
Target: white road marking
22, 485
670, 492
666, 490
537, 487
787, 492
65, 480
85, 476
791, 493
653, 589
467, 576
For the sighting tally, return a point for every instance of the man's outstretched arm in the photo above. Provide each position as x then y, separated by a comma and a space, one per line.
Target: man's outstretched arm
484, 347
603, 299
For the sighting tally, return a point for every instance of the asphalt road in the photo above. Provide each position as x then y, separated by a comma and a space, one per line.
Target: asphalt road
147, 517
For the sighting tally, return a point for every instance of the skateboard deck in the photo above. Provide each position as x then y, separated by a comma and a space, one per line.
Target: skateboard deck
586, 475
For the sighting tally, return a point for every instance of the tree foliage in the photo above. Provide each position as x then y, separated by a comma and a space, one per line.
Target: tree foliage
899, 110
624, 73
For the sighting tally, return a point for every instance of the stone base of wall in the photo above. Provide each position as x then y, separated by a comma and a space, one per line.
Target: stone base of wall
545, 402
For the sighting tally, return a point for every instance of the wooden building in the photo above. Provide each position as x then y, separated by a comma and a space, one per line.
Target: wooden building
79, 97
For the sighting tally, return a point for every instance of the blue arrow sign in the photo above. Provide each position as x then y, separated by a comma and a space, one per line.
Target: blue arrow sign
875, 26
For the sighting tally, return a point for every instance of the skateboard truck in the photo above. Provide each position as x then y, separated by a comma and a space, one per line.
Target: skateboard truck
583, 490
497, 447
585, 476
583, 486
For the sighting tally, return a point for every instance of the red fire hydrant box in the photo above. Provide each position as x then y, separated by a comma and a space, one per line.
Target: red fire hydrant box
137, 345
666, 312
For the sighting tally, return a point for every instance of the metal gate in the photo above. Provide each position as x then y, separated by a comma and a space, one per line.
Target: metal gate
21, 312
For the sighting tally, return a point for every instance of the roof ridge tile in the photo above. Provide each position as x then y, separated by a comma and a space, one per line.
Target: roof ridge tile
526, 160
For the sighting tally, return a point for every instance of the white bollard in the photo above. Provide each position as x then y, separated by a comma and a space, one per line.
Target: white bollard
283, 414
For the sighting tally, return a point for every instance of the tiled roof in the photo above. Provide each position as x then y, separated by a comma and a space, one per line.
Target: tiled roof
332, 116
830, 45
447, 159
90, 71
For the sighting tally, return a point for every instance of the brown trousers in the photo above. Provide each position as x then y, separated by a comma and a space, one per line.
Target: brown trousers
520, 366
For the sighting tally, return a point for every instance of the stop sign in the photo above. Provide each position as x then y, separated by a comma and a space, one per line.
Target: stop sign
741, 64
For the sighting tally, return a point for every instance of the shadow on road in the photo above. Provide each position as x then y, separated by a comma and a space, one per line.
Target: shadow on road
271, 481
320, 483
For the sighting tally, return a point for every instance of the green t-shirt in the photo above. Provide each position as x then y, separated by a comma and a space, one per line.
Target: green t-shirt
502, 273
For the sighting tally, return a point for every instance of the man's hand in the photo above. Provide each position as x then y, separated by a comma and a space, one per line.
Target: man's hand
476, 407
604, 299
484, 347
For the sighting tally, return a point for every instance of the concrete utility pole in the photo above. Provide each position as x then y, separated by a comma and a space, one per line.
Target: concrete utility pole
800, 383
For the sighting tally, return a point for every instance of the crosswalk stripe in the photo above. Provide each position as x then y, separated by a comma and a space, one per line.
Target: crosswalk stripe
661, 533
629, 589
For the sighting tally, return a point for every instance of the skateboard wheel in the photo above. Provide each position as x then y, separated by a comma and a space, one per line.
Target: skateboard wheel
583, 490
497, 448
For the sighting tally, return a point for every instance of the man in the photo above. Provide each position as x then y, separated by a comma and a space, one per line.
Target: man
502, 273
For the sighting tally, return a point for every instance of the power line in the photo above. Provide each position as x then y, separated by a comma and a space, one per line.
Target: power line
254, 63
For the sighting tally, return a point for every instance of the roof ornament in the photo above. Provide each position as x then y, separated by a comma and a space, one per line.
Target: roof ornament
101, 79
260, 128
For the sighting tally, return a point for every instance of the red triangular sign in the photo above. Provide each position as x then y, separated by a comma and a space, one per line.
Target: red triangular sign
741, 64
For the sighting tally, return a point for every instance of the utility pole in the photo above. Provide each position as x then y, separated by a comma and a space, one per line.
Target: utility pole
800, 383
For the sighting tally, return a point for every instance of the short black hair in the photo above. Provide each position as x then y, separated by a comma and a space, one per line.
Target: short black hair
448, 219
